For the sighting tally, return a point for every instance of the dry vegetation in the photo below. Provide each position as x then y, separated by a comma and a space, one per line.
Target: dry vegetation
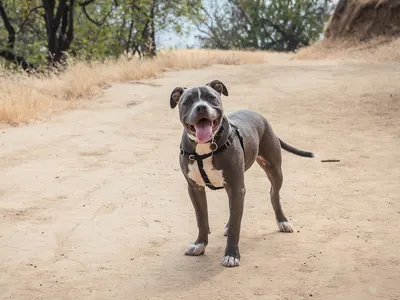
377, 49
30, 98
360, 29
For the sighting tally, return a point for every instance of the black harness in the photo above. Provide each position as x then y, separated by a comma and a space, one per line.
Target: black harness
214, 150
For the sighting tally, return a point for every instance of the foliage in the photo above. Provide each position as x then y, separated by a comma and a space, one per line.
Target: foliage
280, 25
45, 32
99, 29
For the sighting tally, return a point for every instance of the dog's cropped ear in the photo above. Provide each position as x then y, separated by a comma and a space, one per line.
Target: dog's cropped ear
219, 87
175, 96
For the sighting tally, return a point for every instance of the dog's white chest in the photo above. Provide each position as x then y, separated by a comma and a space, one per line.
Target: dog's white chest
215, 176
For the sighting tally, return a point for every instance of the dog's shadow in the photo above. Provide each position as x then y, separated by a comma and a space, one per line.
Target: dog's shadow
180, 269
270, 239
210, 264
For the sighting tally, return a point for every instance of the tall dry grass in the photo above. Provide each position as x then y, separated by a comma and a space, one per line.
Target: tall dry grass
376, 50
24, 99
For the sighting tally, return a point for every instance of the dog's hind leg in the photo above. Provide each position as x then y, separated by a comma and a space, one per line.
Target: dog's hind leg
270, 160
275, 176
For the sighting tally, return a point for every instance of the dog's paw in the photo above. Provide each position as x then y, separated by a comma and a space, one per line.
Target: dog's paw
285, 226
195, 249
230, 261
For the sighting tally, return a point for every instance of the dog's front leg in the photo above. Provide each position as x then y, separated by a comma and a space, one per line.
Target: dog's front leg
199, 200
236, 193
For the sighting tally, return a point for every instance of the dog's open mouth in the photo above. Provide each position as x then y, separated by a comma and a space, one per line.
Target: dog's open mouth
204, 129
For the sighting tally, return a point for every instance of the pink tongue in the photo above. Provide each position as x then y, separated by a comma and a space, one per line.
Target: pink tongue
203, 130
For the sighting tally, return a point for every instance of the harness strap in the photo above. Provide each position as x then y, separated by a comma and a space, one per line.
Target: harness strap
205, 177
199, 158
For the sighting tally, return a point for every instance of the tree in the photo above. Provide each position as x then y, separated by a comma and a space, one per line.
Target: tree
8, 52
280, 25
38, 32
59, 27
34, 15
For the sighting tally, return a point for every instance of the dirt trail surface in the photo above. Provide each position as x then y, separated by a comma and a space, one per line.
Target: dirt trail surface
93, 204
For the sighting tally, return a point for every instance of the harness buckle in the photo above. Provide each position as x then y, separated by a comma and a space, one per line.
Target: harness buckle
228, 143
182, 152
191, 156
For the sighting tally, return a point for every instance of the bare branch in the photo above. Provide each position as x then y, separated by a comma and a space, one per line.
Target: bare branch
209, 27
209, 17
204, 31
27, 17
98, 23
87, 2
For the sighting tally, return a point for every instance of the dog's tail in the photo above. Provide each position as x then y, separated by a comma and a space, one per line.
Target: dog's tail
295, 151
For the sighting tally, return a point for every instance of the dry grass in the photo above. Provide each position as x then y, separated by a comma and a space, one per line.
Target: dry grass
366, 30
25, 99
376, 50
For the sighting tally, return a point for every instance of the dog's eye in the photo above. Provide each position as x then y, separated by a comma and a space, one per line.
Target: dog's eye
187, 101
211, 97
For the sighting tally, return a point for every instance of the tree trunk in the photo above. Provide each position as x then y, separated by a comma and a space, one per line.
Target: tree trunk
63, 13
148, 36
153, 30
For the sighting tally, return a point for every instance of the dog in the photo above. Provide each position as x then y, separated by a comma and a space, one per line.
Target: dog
215, 152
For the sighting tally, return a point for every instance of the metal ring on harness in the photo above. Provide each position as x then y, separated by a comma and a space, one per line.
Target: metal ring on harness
228, 143
191, 156
213, 146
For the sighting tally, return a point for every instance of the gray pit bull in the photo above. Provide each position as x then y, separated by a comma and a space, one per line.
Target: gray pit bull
216, 151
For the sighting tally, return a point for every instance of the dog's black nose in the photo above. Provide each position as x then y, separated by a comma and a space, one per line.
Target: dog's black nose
201, 108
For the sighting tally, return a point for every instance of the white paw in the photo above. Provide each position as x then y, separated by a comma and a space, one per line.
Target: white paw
285, 226
230, 261
193, 249
226, 231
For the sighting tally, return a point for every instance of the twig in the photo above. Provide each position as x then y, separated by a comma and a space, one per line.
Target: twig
330, 160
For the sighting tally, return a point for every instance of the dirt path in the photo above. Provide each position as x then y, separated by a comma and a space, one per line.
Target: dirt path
93, 204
